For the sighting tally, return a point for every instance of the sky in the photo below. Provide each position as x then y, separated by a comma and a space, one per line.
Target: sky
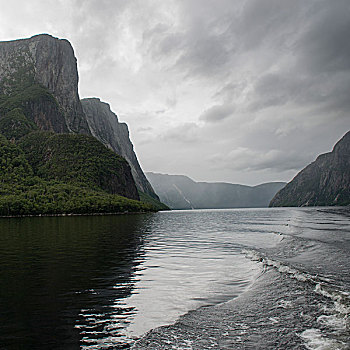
244, 91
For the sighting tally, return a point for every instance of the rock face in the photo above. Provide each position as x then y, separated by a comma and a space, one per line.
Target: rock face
326, 181
181, 192
40, 75
104, 125
39, 79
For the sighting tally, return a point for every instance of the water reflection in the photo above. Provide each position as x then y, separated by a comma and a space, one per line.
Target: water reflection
60, 278
96, 282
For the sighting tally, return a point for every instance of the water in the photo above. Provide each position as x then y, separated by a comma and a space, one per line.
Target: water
220, 279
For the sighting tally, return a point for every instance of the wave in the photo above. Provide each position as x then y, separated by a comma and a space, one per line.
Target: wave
338, 320
315, 340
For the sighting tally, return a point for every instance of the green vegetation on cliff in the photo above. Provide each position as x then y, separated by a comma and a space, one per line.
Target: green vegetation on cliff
36, 179
80, 160
15, 125
147, 199
18, 88
37, 197
21, 98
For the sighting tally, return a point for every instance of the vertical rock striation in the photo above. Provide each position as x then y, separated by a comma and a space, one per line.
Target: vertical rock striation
40, 75
104, 125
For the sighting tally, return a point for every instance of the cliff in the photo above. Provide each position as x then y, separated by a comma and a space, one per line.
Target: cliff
181, 192
39, 91
104, 125
40, 76
326, 181
42, 119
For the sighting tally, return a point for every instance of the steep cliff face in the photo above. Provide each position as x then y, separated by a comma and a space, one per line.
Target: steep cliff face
326, 181
40, 76
104, 125
39, 90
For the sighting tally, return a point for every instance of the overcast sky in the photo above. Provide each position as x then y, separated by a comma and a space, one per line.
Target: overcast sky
219, 90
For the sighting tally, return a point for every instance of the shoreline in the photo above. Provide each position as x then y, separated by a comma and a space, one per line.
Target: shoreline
75, 214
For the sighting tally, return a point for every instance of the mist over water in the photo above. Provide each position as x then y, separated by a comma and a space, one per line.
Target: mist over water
102, 282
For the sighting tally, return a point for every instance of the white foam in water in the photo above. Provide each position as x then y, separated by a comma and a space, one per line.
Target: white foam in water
300, 276
315, 340
333, 321
340, 299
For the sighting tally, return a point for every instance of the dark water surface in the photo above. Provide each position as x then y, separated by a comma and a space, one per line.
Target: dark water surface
268, 278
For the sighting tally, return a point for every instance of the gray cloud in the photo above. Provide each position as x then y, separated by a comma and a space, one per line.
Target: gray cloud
325, 46
245, 159
252, 90
185, 133
217, 113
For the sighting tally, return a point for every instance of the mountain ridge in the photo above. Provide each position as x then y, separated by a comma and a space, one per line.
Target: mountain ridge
325, 181
181, 192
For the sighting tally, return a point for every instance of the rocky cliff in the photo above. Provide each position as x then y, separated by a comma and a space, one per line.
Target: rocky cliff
104, 125
40, 76
39, 80
326, 181
181, 192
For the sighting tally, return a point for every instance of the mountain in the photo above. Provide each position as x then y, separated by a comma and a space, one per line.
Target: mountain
45, 130
104, 125
40, 76
181, 192
326, 181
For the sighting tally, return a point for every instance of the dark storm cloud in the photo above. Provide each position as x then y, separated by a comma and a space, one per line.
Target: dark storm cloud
319, 71
325, 45
280, 63
315, 35
197, 44
208, 44
274, 89
268, 80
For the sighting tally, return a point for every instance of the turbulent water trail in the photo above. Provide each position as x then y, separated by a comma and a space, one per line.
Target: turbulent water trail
300, 300
278, 312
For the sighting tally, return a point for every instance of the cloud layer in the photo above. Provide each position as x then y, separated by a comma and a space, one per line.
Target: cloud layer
238, 91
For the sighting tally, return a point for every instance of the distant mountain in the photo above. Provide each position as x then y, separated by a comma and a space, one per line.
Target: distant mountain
326, 181
181, 192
